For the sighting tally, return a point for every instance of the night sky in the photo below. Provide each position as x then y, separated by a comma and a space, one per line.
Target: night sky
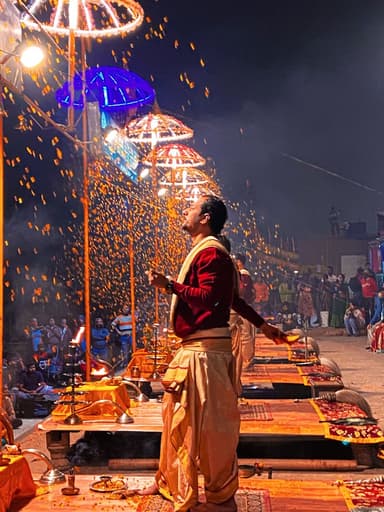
272, 80
296, 77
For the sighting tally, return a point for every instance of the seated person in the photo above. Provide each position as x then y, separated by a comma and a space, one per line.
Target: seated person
354, 319
287, 317
9, 409
375, 328
31, 385
41, 356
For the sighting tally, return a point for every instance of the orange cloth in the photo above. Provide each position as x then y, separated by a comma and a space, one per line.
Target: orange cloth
15, 481
145, 361
95, 391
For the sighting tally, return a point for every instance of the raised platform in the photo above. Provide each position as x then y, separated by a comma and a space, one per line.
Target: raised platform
289, 428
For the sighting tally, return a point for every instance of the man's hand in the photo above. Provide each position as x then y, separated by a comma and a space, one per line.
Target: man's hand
273, 333
157, 279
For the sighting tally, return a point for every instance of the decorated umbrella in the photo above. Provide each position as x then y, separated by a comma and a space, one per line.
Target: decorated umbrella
188, 183
86, 18
175, 156
115, 89
156, 128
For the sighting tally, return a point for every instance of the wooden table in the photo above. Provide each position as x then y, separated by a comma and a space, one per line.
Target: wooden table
16, 481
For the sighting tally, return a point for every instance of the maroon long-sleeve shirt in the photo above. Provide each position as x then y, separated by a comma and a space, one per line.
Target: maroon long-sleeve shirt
207, 295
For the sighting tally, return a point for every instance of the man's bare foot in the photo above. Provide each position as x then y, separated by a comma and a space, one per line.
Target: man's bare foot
148, 491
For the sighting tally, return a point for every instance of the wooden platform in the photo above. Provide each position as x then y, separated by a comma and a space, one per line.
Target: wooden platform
284, 496
289, 427
287, 381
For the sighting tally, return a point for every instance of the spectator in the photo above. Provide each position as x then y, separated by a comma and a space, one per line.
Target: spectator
9, 408
261, 294
369, 291
65, 337
122, 325
375, 328
340, 300
35, 334
354, 319
31, 384
332, 277
41, 357
355, 287
274, 298
100, 339
287, 293
334, 221
305, 304
53, 334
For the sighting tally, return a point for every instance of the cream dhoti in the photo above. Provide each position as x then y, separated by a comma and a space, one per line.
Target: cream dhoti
201, 421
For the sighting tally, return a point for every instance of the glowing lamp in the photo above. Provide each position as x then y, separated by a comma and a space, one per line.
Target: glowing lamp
144, 173
31, 56
174, 156
154, 128
88, 18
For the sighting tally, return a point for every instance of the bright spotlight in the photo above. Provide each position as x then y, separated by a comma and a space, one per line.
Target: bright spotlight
31, 56
144, 173
111, 135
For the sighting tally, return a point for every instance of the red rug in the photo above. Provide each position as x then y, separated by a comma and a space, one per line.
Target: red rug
363, 493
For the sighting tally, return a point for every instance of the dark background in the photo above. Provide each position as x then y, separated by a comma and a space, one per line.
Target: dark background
296, 77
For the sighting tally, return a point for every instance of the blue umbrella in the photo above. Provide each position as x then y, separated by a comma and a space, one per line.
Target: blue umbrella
115, 89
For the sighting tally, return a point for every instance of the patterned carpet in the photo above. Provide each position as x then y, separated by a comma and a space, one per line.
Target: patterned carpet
248, 500
255, 412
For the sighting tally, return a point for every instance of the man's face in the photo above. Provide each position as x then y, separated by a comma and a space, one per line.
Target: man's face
99, 323
31, 368
193, 218
239, 264
125, 310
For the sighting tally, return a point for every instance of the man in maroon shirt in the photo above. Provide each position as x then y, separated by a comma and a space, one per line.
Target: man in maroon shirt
200, 411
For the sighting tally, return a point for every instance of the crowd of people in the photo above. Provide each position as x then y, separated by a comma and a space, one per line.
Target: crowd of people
29, 378
48, 344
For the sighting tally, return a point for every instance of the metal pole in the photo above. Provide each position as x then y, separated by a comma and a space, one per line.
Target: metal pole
132, 286
2, 114
71, 77
87, 282
156, 230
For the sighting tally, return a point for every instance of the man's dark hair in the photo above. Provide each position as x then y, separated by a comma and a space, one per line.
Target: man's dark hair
217, 211
240, 257
225, 241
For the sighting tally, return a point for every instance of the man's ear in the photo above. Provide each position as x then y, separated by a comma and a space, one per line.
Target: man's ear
206, 218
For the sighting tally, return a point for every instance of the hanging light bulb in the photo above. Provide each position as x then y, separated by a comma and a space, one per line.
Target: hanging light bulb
31, 56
